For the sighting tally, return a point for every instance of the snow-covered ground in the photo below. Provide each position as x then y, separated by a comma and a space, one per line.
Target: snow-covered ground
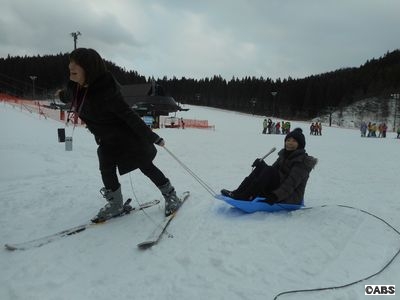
216, 251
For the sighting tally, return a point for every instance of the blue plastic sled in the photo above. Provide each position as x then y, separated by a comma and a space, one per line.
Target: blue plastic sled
258, 205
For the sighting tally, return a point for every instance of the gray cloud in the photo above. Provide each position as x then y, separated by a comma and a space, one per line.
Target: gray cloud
269, 38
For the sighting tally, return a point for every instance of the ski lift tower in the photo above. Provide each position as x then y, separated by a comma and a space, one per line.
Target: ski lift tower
396, 98
33, 78
75, 36
273, 102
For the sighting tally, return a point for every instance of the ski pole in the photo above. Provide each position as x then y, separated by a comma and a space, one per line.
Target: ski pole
258, 160
269, 152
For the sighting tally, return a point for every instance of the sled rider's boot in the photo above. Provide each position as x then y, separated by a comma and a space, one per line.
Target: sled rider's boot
240, 192
113, 207
172, 201
246, 188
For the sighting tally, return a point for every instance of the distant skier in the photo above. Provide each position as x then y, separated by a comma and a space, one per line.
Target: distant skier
125, 141
283, 182
363, 128
278, 127
265, 126
319, 128
312, 128
269, 126
383, 130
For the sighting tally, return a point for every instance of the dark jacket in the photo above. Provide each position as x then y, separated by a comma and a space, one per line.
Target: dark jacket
123, 138
294, 169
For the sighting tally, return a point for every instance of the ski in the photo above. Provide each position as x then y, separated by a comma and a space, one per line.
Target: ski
77, 229
157, 233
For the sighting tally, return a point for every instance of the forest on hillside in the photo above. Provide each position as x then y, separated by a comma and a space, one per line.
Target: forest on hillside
39, 76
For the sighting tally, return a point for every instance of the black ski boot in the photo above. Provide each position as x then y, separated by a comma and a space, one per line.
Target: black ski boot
172, 201
113, 207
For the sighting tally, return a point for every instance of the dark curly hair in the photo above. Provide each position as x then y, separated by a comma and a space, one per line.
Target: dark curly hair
90, 61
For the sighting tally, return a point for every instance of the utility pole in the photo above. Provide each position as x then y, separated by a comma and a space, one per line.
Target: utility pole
396, 97
75, 36
253, 103
33, 85
273, 102
330, 110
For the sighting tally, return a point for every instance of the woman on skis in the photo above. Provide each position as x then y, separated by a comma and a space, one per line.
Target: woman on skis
124, 141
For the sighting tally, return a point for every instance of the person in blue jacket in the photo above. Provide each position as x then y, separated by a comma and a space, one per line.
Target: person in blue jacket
282, 182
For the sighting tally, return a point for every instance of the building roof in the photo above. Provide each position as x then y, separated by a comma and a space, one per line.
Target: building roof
149, 98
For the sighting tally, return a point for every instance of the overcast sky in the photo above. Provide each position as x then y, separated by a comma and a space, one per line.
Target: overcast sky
202, 38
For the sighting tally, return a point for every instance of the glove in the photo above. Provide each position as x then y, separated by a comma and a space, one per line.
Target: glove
258, 162
271, 198
160, 142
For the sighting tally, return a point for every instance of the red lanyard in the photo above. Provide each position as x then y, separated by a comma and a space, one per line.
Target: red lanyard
74, 104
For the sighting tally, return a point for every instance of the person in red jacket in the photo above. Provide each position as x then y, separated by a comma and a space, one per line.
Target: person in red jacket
124, 141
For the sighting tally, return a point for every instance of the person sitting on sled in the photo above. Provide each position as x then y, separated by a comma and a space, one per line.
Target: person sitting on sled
283, 182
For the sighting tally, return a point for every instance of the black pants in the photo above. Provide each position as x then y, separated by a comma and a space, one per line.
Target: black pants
262, 180
110, 178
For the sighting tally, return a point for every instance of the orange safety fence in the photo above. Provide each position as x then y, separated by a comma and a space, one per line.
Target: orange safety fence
42, 108
192, 123
173, 122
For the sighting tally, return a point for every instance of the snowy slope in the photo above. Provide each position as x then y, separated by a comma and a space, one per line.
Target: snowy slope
216, 252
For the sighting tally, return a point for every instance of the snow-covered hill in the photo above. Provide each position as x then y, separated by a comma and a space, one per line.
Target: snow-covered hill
374, 110
216, 251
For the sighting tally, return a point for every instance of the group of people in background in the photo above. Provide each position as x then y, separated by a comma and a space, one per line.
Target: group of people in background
373, 130
316, 128
270, 127
369, 129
